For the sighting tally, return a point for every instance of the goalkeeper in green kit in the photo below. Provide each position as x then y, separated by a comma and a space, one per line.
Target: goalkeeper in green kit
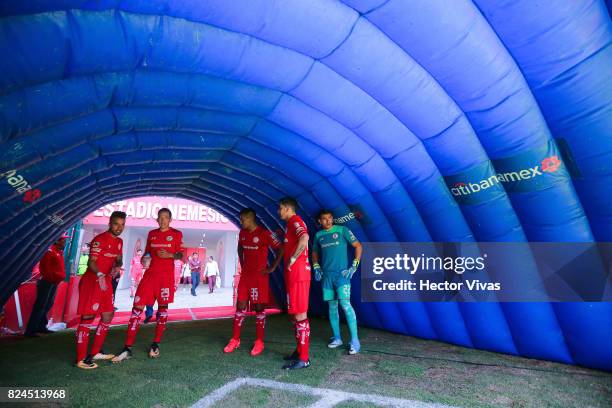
330, 250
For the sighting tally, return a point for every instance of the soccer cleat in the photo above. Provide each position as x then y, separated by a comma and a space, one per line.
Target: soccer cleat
147, 319
334, 342
86, 364
125, 354
296, 365
103, 356
154, 350
258, 348
354, 347
45, 331
232, 346
292, 357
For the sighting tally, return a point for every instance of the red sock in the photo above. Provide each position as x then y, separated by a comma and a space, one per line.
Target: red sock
82, 338
99, 337
238, 320
133, 327
162, 318
260, 325
303, 329
297, 337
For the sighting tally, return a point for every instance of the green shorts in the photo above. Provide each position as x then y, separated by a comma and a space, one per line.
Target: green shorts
335, 286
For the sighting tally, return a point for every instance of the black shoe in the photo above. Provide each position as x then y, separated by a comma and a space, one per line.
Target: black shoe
296, 365
147, 319
125, 354
154, 350
45, 331
30, 335
292, 357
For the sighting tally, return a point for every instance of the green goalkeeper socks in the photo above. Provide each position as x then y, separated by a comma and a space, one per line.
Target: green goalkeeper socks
351, 318
334, 318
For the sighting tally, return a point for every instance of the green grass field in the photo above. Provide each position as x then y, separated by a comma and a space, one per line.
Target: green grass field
193, 365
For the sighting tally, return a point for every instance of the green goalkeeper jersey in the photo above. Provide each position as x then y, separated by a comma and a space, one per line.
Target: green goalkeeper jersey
331, 247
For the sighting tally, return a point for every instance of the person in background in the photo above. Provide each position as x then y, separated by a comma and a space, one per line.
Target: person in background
136, 271
149, 309
211, 272
52, 271
195, 266
148, 314
185, 272
178, 267
116, 274
83, 260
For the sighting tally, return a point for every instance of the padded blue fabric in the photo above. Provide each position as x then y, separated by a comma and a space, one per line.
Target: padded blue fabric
363, 106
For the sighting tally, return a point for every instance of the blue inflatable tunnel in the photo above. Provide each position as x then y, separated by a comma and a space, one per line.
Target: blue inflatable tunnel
370, 107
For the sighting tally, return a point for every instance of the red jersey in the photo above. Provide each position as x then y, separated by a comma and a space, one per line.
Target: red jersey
105, 248
255, 246
172, 241
300, 271
52, 267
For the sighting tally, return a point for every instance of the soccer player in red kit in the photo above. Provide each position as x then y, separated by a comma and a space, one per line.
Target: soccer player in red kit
253, 244
164, 245
96, 292
297, 280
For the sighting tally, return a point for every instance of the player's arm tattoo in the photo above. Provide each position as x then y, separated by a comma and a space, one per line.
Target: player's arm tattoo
119, 261
301, 246
240, 256
315, 257
91, 264
277, 260
358, 250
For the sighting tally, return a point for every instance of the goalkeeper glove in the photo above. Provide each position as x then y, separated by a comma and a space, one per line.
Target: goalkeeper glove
318, 272
348, 273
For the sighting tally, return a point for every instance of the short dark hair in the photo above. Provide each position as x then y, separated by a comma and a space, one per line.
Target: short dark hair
194, 253
161, 210
289, 202
323, 212
117, 214
246, 211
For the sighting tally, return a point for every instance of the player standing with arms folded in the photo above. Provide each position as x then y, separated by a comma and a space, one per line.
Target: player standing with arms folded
164, 245
297, 280
254, 242
96, 292
330, 248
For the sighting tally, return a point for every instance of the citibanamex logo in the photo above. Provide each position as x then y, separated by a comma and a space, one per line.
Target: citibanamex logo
353, 215
31, 195
551, 164
21, 185
547, 165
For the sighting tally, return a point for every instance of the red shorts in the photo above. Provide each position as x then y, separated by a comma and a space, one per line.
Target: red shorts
155, 286
297, 296
254, 288
92, 299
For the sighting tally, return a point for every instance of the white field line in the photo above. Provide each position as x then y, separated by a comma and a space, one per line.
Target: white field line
329, 397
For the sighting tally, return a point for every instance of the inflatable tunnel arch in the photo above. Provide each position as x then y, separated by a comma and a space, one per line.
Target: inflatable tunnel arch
372, 107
